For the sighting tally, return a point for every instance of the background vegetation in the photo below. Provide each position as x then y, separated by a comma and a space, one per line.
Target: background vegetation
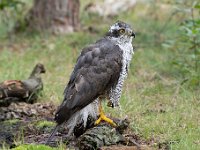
161, 96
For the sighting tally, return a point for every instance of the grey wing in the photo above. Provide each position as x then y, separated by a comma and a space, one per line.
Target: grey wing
97, 70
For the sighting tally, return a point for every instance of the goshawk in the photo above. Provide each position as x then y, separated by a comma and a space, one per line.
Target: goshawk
99, 74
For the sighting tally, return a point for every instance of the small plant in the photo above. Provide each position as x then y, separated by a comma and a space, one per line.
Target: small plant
187, 46
9, 4
12, 14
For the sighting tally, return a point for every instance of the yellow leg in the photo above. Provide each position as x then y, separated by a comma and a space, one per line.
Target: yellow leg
103, 117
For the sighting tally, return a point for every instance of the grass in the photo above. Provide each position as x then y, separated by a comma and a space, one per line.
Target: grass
153, 99
43, 124
11, 122
34, 147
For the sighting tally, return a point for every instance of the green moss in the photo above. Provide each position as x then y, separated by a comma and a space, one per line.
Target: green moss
43, 124
33, 147
12, 121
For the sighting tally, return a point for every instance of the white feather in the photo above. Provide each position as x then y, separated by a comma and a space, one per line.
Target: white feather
125, 43
82, 116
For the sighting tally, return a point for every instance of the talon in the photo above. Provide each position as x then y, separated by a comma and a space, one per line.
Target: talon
106, 119
102, 117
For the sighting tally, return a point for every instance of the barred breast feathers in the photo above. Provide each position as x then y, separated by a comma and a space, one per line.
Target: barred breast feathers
115, 92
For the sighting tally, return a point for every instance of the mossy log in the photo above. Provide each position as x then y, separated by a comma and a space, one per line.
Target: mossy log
22, 90
105, 135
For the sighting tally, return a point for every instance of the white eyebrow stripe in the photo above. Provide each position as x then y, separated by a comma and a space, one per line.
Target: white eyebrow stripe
114, 27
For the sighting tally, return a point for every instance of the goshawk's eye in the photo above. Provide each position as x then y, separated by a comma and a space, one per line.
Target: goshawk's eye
121, 31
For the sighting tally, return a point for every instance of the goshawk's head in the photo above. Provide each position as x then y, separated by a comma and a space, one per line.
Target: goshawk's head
121, 31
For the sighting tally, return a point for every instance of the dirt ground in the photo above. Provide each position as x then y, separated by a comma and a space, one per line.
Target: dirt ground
33, 123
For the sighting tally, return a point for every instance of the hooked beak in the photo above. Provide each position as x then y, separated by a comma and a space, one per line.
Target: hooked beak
133, 34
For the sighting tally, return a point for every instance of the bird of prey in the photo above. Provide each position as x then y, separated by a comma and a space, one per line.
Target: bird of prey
99, 74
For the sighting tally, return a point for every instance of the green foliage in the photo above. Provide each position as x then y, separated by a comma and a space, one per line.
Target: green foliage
187, 46
9, 4
12, 16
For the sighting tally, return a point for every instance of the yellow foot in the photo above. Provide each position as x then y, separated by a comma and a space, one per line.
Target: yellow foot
106, 119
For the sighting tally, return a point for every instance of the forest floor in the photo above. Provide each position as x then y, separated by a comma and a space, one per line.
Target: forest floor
162, 107
33, 123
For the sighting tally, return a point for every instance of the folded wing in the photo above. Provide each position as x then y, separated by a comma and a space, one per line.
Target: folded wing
97, 70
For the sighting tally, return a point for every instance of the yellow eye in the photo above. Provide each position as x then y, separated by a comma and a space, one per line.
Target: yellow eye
122, 31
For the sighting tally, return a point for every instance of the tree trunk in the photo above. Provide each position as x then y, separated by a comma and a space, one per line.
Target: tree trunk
56, 16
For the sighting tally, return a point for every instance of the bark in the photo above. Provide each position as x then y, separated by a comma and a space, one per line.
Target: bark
22, 90
56, 16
